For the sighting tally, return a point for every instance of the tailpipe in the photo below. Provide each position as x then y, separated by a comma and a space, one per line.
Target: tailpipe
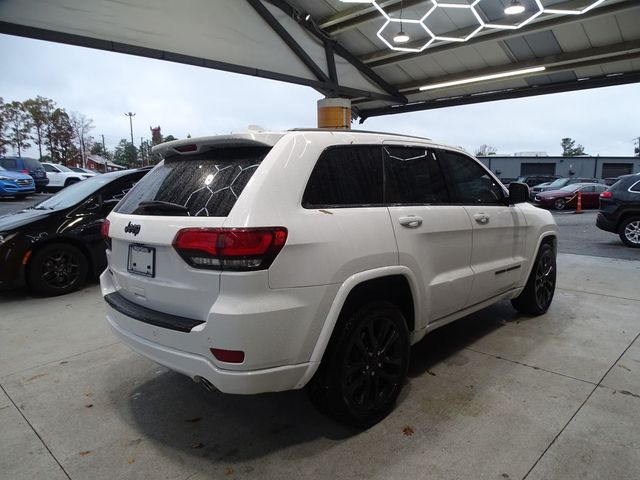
204, 383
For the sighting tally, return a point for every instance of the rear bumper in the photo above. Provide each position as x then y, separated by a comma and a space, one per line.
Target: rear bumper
277, 379
41, 182
603, 223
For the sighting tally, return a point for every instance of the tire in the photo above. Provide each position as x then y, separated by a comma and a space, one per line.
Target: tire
629, 232
57, 269
364, 367
71, 181
560, 204
537, 295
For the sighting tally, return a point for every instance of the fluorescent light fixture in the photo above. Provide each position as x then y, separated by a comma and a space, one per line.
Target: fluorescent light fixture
483, 78
514, 8
401, 37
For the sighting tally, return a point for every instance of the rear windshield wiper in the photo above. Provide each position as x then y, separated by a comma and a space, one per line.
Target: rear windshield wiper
160, 206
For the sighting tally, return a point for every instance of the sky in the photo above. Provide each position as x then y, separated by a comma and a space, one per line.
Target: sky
186, 100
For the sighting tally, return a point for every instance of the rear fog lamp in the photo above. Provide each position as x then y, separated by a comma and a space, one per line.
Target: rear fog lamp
228, 356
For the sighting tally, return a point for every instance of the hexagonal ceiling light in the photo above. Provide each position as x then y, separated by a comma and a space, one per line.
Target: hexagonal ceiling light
537, 8
466, 9
402, 21
519, 20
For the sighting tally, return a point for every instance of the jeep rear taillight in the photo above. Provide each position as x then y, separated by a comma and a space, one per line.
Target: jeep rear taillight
237, 249
104, 231
606, 194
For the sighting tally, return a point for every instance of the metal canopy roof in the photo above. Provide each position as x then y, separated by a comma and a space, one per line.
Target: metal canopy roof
342, 49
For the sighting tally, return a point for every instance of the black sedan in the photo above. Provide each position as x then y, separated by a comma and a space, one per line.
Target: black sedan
53, 246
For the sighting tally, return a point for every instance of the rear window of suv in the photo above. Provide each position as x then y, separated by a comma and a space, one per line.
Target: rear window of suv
205, 185
32, 164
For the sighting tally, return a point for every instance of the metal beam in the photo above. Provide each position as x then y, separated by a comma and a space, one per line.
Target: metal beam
82, 41
386, 56
295, 47
323, 36
553, 63
606, 81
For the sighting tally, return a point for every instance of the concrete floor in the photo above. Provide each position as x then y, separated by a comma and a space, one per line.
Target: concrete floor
493, 396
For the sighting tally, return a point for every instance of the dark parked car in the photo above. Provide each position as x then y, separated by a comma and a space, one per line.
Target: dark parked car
560, 183
15, 184
533, 180
567, 197
53, 246
620, 210
30, 166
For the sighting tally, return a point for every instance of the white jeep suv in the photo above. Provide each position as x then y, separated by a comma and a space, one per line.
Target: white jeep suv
264, 262
61, 176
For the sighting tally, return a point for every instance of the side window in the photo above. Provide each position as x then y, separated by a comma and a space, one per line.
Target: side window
413, 176
346, 176
635, 188
589, 189
112, 194
470, 184
49, 168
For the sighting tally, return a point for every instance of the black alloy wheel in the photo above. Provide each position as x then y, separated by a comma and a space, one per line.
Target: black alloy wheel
545, 280
364, 367
57, 269
560, 204
537, 295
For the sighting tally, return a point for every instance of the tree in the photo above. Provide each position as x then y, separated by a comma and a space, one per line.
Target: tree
39, 109
18, 125
81, 127
125, 153
3, 127
569, 148
59, 135
98, 149
169, 138
484, 150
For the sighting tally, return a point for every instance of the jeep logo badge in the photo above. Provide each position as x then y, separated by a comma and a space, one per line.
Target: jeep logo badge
132, 228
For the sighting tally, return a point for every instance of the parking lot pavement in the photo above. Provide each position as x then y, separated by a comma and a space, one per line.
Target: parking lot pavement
495, 395
10, 204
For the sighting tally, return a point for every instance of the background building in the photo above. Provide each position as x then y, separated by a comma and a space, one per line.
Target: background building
512, 166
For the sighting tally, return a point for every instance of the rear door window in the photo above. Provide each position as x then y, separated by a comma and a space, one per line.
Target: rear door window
205, 184
346, 176
413, 177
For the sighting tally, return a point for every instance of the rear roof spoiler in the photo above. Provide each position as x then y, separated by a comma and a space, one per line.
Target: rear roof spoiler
200, 144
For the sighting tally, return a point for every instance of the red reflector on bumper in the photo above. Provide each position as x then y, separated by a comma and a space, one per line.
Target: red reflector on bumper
228, 356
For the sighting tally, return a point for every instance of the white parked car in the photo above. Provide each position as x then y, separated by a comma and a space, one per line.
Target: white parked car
265, 262
84, 171
61, 176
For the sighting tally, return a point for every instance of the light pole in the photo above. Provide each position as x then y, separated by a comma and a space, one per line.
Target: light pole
131, 115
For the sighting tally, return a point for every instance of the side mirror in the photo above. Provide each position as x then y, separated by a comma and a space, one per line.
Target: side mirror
518, 193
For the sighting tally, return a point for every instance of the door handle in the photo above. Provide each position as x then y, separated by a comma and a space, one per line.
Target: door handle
481, 218
411, 221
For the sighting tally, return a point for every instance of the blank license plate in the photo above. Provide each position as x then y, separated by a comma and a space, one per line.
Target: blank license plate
142, 260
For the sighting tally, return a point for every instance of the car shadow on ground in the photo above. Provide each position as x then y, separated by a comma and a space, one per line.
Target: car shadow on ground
25, 294
175, 412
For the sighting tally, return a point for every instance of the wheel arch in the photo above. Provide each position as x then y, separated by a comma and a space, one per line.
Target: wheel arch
396, 283
546, 238
60, 239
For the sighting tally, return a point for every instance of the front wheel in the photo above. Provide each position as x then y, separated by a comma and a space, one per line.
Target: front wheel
57, 269
629, 232
71, 181
364, 367
560, 204
537, 295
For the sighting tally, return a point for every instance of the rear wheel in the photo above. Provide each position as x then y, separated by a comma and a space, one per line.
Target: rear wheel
629, 232
71, 181
57, 269
364, 367
537, 295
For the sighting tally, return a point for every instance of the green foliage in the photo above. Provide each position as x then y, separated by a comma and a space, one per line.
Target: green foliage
569, 148
98, 149
39, 109
125, 154
169, 138
18, 127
